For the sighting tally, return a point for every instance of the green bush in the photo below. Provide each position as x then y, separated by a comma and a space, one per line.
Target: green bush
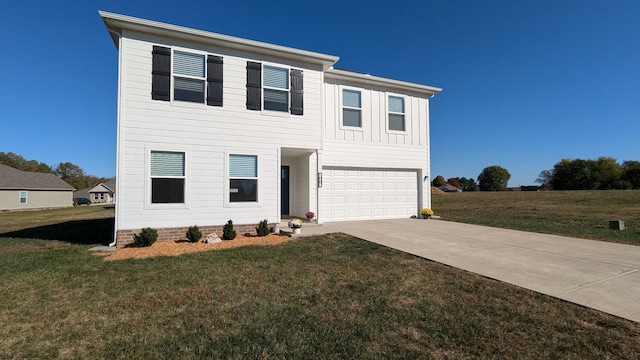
194, 234
146, 237
263, 228
228, 233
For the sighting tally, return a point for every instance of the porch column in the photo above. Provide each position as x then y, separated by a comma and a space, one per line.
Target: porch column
319, 218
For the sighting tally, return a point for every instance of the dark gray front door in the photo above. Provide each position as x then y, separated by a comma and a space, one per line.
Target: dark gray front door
284, 190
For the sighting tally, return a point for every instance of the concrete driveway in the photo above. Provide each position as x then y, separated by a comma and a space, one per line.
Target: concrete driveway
596, 274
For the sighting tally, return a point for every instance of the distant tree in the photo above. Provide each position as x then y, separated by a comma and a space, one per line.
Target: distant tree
544, 179
438, 181
467, 184
72, 174
607, 173
453, 182
18, 162
632, 173
579, 174
493, 178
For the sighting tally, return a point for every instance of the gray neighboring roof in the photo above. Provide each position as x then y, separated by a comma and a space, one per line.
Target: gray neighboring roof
450, 188
83, 193
14, 179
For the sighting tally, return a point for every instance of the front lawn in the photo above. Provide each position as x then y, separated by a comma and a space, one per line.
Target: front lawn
325, 297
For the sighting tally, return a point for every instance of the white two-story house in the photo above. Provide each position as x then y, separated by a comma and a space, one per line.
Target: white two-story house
214, 128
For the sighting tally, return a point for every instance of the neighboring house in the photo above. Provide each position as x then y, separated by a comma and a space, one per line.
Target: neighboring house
213, 127
450, 188
32, 190
103, 192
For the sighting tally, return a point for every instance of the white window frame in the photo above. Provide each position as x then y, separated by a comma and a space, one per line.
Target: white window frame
174, 75
26, 197
404, 114
227, 179
342, 107
148, 188
263, 87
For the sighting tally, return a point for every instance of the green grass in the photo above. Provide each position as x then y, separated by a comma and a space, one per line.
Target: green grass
582, 214
79, 225
328, 297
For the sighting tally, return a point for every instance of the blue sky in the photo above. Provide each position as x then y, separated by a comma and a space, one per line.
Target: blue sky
525, 83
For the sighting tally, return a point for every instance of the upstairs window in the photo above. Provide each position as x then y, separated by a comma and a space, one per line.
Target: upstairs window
167, 177
243, 178
189, 77
274, 88
351, 108
396, 113
275, 83
196, 77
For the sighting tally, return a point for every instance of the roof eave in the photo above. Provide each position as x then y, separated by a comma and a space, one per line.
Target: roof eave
115, 23
345, 75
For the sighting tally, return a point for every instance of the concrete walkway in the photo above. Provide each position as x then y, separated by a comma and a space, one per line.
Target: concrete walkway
596, 274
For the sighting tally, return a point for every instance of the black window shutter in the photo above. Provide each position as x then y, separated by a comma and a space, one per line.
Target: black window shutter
214, 80
254, 85
161, 73
296, 92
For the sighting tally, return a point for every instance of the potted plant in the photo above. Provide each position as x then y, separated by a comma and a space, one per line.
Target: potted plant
310, 215
295, 224
426, 213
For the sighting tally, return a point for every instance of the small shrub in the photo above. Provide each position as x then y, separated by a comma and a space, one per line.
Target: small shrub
146, 237
75, 202
194, 234
263, 228
228, 233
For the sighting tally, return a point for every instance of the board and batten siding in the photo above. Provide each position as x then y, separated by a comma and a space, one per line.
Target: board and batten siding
373, 145
207, 134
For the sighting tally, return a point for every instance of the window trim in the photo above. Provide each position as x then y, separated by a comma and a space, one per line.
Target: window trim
264, 87
26, 197
227, 178
404, 114
341, 124
174, 75
148, 186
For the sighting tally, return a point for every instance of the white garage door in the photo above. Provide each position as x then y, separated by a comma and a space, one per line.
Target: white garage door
356, 194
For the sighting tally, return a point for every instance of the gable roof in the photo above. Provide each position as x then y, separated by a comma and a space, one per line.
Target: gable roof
398, 85
101, 188
116, 23
14, 179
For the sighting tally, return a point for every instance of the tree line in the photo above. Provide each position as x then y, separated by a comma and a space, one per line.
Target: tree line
71, 173
603, 173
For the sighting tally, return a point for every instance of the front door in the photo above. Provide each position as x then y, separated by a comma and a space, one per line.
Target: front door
284, 190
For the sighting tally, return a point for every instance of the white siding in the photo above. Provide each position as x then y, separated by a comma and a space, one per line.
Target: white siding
206, 134
373, 146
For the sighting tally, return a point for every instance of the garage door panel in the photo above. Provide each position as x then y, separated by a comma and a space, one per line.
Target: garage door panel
354, 194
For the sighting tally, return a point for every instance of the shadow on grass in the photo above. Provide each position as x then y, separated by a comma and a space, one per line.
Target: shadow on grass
94, 231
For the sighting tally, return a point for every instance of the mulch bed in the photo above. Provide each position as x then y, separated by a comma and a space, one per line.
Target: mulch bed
175, 248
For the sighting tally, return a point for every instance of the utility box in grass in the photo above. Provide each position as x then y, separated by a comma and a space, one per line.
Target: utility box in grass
616, 224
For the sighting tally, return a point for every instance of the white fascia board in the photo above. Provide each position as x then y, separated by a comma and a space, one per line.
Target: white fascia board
116, 23
344, 75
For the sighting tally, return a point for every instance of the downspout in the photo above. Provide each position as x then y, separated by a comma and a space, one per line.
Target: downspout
118, 187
